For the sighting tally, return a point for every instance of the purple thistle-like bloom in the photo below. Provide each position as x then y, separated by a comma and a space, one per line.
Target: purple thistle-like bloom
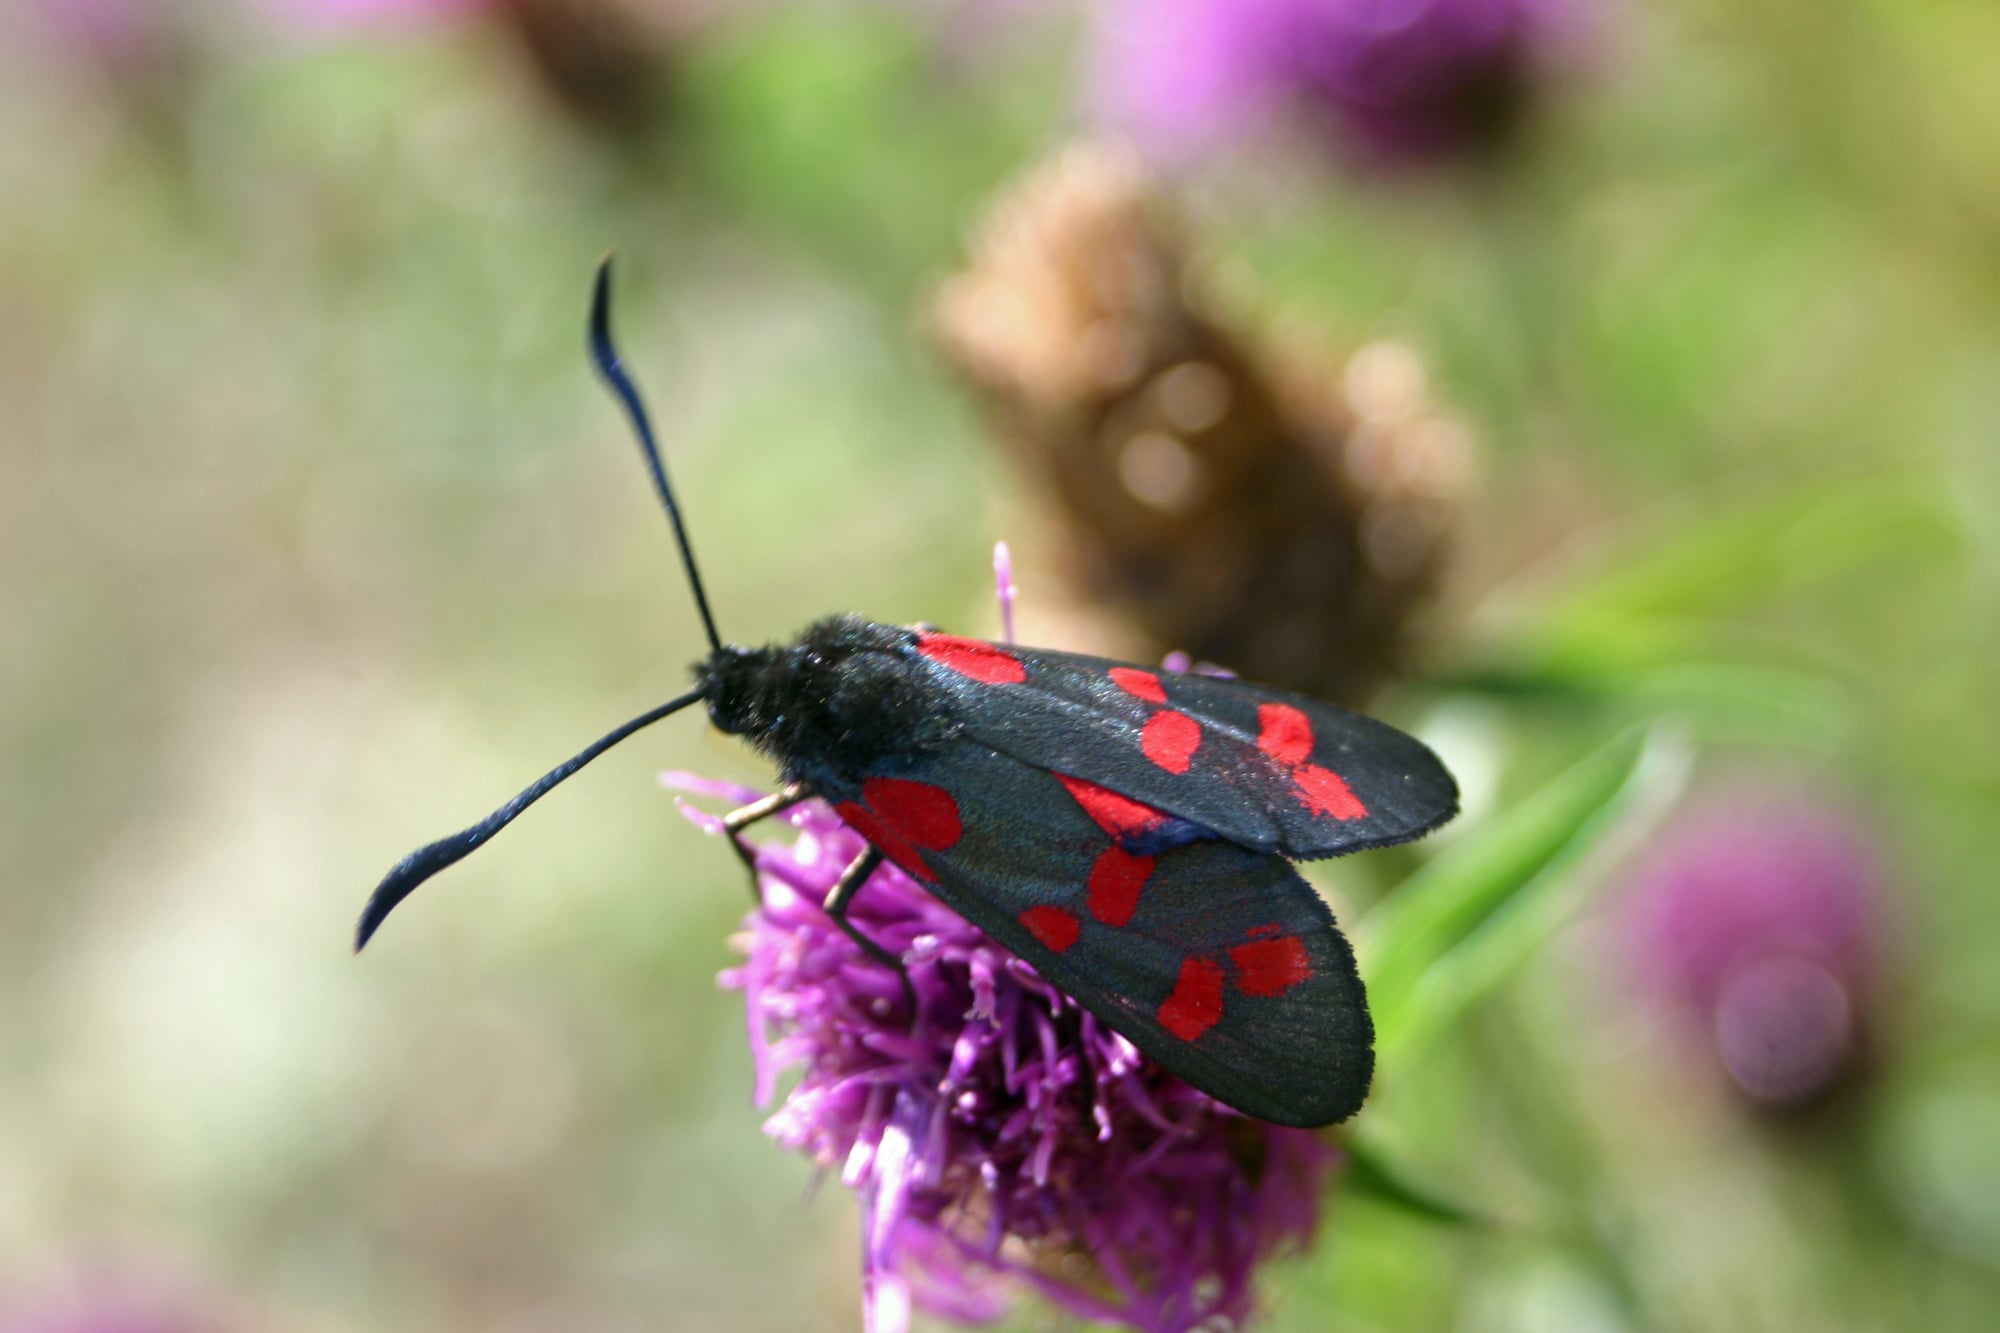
1391, 83
1006, 1138
341, 14
1760, 919
118, 34
112, 1297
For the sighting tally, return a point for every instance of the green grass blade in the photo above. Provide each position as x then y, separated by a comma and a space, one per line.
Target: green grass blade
1375, 1172
1459, 924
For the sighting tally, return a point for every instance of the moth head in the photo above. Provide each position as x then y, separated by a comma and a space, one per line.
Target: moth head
733, 682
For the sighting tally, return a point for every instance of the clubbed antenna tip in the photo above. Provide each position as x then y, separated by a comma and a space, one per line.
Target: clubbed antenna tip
604, 353
426, 861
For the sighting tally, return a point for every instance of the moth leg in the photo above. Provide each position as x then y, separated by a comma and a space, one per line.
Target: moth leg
837, 900
743, 817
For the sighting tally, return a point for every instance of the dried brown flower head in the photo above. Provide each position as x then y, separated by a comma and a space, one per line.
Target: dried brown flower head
1271, 510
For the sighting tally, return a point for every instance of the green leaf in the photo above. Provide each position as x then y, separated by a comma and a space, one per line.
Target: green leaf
1660, 603
1741, 702
1463, 921
1374, 1172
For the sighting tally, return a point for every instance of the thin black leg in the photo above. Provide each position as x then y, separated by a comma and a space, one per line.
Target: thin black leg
743, 817
837, 900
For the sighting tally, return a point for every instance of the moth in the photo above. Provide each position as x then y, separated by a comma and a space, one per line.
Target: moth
1129, 831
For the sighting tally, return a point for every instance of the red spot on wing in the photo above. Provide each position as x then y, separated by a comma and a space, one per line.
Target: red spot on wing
924, 815
1115, 881
1286, 735
1141, 684
1054, 927
1170, 740
1270, 966
1120, 816
1196, 1004
976, 658
886, 840
1325, 792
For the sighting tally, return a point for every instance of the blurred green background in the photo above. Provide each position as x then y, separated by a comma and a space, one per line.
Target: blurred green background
317, 539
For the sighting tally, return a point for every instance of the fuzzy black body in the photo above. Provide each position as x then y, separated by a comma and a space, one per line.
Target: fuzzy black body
849, 697
1127, 831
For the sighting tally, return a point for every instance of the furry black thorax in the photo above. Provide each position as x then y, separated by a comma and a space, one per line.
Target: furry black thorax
845, 697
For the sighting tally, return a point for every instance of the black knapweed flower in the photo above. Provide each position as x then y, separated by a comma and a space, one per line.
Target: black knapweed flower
1762, 920
1004, 1138
1391, 83
110, 1296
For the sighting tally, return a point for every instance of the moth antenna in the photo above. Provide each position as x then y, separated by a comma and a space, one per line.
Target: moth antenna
604, 354
426, 861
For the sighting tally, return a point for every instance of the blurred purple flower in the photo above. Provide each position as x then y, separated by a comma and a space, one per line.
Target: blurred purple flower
1008, 1138
117, 34
1391, 83
104, 1317
115, 1298
1761, 921
371, 13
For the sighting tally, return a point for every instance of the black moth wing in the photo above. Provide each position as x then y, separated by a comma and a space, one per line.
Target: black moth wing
1274, 771
1217, 961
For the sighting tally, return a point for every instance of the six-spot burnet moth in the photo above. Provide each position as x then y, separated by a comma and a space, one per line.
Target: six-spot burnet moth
1128, 831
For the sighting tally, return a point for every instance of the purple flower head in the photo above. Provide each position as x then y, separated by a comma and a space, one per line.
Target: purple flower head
118, 34
341, 14
115, 1297
1760, 920
1006, 1138
1390, 83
